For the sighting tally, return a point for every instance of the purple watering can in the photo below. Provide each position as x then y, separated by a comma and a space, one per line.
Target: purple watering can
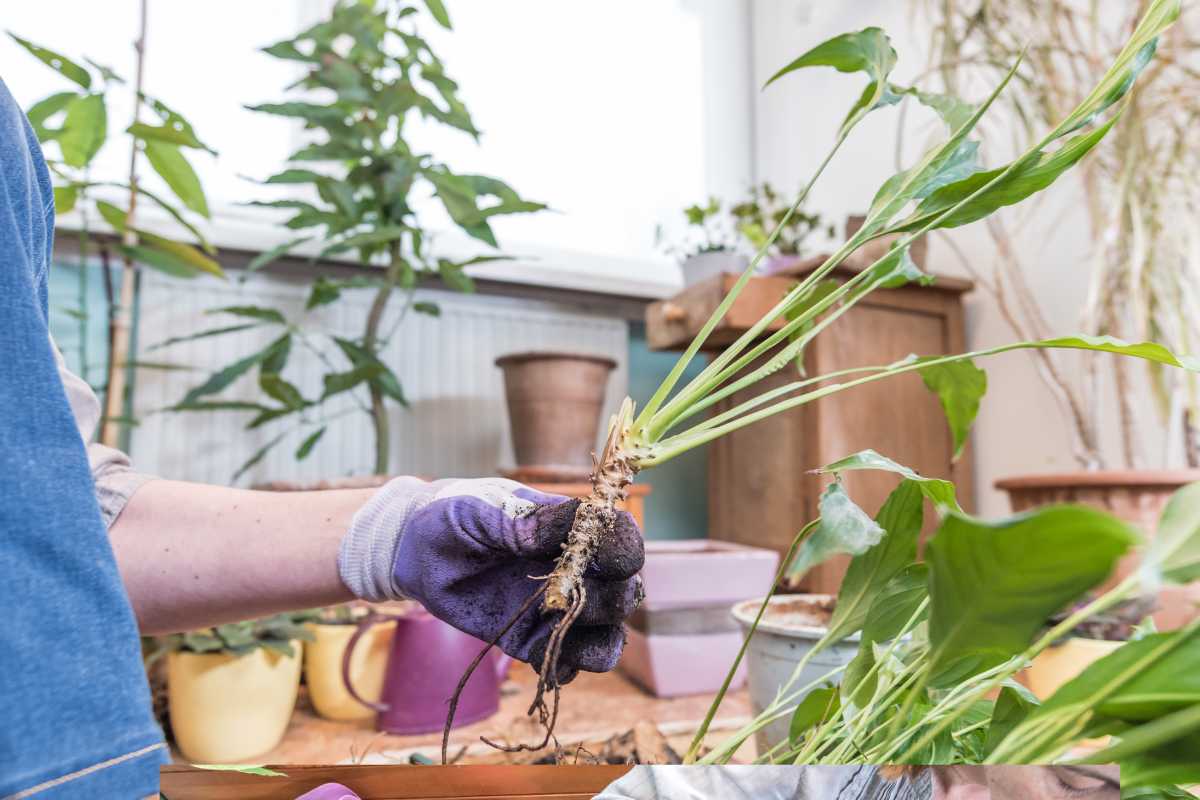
427, 659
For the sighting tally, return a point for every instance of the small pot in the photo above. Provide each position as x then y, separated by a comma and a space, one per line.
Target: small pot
554, 405
702, 266
1058, 664
323, 668
1135, 496
790, 627
227, 708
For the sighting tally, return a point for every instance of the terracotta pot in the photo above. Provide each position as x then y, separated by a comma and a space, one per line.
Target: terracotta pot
1136, 496
554, 405
227, 708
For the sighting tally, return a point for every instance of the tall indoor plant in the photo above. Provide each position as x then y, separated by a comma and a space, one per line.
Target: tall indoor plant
368, 75
73, 127
1139, 192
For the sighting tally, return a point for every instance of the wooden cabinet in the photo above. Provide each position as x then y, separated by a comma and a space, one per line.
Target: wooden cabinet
761, 489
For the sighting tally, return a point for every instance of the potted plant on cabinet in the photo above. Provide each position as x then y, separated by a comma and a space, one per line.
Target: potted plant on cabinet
231, 689
764, 211
709, 245
1138, 191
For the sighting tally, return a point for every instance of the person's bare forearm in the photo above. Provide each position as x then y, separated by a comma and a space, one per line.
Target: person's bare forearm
193, 555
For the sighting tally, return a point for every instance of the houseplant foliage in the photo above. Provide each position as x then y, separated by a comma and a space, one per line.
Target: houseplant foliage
368, 75
946, 187
1138, 190
938, 637
73, 127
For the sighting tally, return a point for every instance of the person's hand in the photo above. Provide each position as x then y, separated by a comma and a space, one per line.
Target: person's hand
471, 551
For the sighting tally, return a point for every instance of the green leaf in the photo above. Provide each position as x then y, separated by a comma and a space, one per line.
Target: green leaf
277, 358
953, 111
993, 585
275, 387
309, 443
43, 110
388, 233
438, 10
338, 382
896, 603
314, 114
454, 277
844, 528
173, 167
202, 335
817, 707
59, 63
112, 215
1014, 704
216, 405
959, 385
251, 312
243, 768
169, 134
868, 51
939, 492
897, 269
901, 518
258, 456
1030, 174
432, 309
174, 120
178, 217
296, 176
323, 292
64, 198
183, 253
167, 263
1174, 550
224, 377
1177, 762
84, 129
262, 259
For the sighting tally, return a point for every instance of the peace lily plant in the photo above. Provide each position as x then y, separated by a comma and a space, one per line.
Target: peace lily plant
940, 658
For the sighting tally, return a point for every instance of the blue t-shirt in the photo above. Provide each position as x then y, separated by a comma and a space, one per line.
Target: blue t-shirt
75, 718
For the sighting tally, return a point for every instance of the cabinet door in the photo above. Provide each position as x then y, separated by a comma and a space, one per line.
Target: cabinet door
898, 417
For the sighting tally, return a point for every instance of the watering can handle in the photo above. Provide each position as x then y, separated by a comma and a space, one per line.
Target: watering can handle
365, 624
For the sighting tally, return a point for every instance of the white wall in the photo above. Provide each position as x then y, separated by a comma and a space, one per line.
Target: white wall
1019, 429
617, 114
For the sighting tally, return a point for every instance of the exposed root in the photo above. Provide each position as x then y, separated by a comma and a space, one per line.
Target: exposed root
462, 682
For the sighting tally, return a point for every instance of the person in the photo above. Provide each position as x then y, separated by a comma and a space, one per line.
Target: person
867, 782
94, 552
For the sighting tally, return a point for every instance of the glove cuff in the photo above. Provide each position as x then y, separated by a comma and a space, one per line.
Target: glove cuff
368, 550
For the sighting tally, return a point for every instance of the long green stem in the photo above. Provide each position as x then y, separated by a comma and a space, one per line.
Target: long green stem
660, 395
698, 740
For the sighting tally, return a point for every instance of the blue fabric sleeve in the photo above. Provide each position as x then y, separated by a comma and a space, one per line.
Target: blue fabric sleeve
77, 719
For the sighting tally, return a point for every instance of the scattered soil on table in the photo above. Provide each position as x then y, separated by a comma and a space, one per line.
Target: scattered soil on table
801, 611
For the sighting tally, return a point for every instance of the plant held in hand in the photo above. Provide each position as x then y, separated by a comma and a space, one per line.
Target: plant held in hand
947, 187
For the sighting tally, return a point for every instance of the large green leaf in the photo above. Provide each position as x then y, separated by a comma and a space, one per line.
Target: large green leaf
275, 387
183, 253
1177, 762
1174, 550
438, 10
901, 517
940, 492
224, 377
959, 385
315, 114
174, 120
338, 382
844, 528
83, 130
173, 167
64, 198
43, 110
868, 51
56, 61
165, 262
816, 708
170, 134
1014, 704
1150, 351
1025, 177
993, 585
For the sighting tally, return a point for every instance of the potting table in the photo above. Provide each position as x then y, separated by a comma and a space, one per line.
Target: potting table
594, 708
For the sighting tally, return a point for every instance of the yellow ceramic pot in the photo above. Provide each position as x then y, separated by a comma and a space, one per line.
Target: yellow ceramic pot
1056, 665
227, 708
323, 668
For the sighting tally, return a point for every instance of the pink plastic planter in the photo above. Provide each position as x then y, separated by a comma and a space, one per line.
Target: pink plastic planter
683, 638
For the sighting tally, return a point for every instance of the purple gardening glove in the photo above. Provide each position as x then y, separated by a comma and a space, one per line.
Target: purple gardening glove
470, 551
